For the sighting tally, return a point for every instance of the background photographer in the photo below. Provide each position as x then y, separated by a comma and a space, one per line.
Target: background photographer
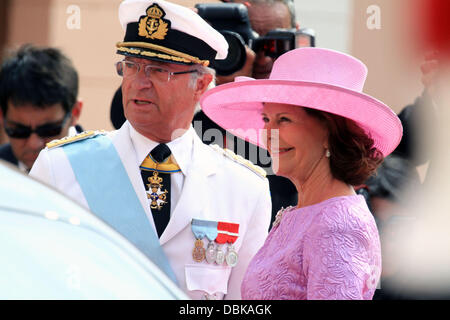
264, 16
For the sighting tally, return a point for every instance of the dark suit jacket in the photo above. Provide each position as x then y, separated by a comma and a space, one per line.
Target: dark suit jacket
7, 154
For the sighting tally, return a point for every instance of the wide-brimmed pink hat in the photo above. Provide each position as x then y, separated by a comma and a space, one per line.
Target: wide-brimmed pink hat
316, 78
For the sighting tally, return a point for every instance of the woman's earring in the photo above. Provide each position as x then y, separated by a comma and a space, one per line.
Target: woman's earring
327, 154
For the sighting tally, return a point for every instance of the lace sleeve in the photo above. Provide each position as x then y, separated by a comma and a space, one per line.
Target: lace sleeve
342, 257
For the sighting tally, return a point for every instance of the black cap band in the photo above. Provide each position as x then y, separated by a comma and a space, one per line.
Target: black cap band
175, 44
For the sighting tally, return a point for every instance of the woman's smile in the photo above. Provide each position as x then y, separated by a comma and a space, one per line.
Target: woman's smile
281, 151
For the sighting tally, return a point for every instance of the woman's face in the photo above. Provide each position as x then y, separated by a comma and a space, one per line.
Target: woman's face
296, 141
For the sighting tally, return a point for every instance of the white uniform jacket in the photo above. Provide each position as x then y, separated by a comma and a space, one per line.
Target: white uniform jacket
215, 187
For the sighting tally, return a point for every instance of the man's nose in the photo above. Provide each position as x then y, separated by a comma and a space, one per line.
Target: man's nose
35, 142
141, 80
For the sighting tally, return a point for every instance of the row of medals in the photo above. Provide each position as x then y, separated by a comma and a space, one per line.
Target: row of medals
214, 255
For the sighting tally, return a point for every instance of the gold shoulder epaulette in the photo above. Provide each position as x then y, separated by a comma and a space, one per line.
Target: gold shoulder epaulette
69, 139
237, 158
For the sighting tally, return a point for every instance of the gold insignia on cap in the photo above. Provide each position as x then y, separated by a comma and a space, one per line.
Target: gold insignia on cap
153, 25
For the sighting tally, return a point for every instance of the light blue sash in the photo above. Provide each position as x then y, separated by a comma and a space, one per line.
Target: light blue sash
111, 196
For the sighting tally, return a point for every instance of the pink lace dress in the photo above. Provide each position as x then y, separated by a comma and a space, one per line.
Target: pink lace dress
330, 250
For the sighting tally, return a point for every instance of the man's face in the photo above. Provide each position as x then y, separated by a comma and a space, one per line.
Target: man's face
155, 108
263, 18
27, 149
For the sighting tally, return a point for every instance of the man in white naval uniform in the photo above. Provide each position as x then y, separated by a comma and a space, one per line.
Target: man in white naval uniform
167, 48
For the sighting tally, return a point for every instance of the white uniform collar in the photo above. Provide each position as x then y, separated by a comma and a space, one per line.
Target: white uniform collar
22, 167
72, 131
181, 148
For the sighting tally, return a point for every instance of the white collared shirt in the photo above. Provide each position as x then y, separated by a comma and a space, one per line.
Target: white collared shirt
22, 167
181, 149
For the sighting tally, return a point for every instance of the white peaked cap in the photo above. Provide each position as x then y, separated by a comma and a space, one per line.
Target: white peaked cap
161, 30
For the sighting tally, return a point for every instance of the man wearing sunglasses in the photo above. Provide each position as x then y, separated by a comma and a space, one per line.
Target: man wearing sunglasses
38, 99
153, 180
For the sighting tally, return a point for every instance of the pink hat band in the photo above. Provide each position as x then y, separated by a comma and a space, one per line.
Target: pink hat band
316, 78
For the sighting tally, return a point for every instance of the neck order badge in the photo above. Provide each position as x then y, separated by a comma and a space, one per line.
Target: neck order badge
155, 171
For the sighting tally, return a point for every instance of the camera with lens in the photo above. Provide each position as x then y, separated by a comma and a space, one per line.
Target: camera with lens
232, 21
279, 41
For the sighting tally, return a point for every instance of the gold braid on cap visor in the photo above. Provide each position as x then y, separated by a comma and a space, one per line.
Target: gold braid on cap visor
173, 55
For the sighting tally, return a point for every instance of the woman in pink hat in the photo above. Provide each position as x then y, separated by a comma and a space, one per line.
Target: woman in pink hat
326, 136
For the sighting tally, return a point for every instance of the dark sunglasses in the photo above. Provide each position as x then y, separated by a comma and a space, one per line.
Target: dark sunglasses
46, 130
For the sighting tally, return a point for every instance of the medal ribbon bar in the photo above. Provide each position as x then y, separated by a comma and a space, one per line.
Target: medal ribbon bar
204, 228
168, 166
227, 232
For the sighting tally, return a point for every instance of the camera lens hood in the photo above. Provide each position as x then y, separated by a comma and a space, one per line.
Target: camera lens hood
236, 54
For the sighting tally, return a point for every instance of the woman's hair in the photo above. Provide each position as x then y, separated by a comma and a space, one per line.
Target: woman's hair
353, 157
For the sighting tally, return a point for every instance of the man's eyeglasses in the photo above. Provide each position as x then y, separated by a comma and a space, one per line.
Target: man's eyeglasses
130, 68
46, 130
